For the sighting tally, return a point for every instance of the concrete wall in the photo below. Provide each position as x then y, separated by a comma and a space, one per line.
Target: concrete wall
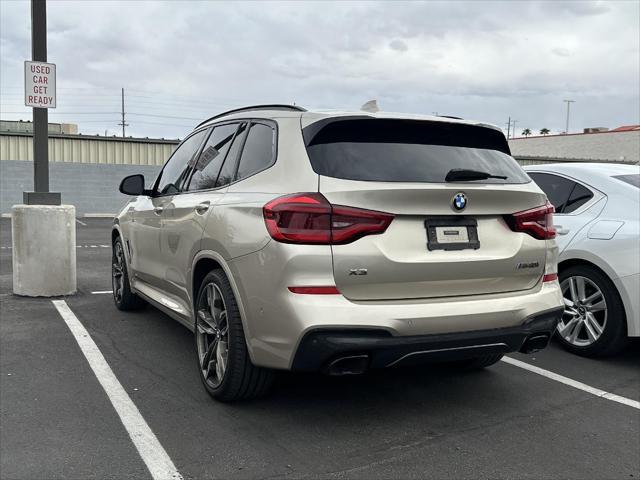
604, 146
92, 188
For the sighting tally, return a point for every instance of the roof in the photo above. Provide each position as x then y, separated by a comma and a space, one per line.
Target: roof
626, 128
313, 116
597, 175
272, 107
108, 138
309, 117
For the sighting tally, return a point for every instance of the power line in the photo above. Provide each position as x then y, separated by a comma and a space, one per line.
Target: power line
165, 116
154, 95
66, 113
167, 124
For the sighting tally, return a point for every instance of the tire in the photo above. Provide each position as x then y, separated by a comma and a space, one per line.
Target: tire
219, 333
582, 323
123, 297
477, 363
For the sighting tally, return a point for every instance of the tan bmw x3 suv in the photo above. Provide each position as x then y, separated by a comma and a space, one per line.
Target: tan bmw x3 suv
337, 242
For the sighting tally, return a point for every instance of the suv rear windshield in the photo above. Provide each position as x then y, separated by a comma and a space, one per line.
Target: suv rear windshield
385, 150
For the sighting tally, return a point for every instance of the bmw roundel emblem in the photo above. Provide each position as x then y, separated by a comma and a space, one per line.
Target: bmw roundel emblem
459, 201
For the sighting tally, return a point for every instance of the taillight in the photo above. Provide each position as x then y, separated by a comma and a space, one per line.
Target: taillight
537, 222
309, 218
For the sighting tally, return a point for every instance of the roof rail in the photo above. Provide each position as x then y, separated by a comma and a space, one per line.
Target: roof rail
450, 116
255, 107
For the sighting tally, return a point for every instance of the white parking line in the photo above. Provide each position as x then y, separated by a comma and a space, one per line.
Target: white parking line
151, 451
81, 222
101, 292
573, 383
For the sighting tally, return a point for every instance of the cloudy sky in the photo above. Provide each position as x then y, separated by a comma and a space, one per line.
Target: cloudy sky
181, 62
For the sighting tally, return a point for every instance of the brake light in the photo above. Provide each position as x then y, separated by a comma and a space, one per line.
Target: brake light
537, 222
309, 218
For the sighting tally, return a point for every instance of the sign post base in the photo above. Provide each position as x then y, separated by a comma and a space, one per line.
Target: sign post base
44, 250
41, 198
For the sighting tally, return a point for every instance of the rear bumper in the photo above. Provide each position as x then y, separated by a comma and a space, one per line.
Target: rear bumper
276, 321
322, 350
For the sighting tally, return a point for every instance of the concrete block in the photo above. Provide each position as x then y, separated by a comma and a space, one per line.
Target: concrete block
44, 250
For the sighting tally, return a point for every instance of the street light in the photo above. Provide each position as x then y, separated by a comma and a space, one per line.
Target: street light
568, 102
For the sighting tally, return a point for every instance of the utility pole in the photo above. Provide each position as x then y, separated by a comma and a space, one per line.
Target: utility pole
40, 194
568, 102
508, 127
122, 113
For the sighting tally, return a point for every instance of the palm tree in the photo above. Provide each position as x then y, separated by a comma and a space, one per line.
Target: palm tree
526, 132
545, 131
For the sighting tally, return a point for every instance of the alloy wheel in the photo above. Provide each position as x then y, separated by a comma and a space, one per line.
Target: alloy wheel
117, 271
585, 311
212, 335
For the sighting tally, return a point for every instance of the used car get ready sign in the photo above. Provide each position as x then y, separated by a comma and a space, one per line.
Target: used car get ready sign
40, 84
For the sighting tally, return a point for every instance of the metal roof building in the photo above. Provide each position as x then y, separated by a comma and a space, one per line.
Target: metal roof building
89, 149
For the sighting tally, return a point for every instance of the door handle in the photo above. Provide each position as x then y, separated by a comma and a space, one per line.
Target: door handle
201, 208
158, 210
560, 230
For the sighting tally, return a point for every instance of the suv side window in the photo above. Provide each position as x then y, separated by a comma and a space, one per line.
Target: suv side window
557, 188
176, 170
259, 150
579, 196
229, 166
207, 166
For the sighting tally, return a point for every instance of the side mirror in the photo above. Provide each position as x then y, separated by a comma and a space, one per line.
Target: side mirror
133, 185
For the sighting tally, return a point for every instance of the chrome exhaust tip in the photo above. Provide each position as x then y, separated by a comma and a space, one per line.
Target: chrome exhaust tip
349, 365
535, 343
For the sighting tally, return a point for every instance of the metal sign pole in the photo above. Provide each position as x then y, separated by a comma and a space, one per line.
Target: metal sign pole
41, 194
43, 231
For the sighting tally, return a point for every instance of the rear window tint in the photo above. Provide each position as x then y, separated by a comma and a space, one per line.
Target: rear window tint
556, 188
632, 179
407, 150
258, 152
579, 196
207, 166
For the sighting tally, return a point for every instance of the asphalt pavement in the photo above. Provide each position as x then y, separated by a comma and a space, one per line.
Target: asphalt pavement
505, 422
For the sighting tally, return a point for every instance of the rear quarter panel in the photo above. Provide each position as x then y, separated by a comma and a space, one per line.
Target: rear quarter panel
236, 226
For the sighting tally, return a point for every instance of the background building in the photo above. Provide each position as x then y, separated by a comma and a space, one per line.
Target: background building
620, 145
86, 169
27, 127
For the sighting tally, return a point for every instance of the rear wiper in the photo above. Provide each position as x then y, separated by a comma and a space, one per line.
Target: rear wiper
464, 175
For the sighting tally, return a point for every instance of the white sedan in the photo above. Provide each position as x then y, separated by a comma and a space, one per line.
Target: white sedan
598, 233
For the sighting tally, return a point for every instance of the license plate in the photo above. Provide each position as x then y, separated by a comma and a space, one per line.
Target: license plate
452, 233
